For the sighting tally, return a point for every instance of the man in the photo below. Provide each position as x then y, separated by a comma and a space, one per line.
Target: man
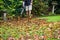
27, 4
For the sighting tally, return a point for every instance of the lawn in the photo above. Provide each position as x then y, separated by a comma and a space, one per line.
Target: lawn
52, 18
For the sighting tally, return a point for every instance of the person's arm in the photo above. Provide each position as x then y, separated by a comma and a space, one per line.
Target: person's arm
31, 2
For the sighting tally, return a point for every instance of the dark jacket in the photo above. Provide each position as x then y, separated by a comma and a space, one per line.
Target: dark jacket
27, 2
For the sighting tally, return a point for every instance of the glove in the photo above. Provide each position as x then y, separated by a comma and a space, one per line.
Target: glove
31, 3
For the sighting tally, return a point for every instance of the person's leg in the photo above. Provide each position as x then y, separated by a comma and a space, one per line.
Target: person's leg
30, 9
27, 12
30, 15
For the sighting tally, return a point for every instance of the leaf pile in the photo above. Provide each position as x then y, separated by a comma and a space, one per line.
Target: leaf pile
37, 29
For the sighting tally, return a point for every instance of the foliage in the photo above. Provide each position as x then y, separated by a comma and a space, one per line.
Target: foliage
58, 11
12, 7
40, 7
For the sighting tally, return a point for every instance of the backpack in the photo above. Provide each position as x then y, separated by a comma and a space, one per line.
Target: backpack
27, 2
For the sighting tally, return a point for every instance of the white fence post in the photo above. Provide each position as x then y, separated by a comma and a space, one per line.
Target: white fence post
5, 18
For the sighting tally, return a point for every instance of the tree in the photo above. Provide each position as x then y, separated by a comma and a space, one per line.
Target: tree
12, 7
2, 10
40, 7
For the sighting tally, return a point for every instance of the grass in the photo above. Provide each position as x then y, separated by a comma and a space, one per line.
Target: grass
52, 18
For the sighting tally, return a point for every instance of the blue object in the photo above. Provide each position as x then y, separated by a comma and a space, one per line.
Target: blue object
27, 2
